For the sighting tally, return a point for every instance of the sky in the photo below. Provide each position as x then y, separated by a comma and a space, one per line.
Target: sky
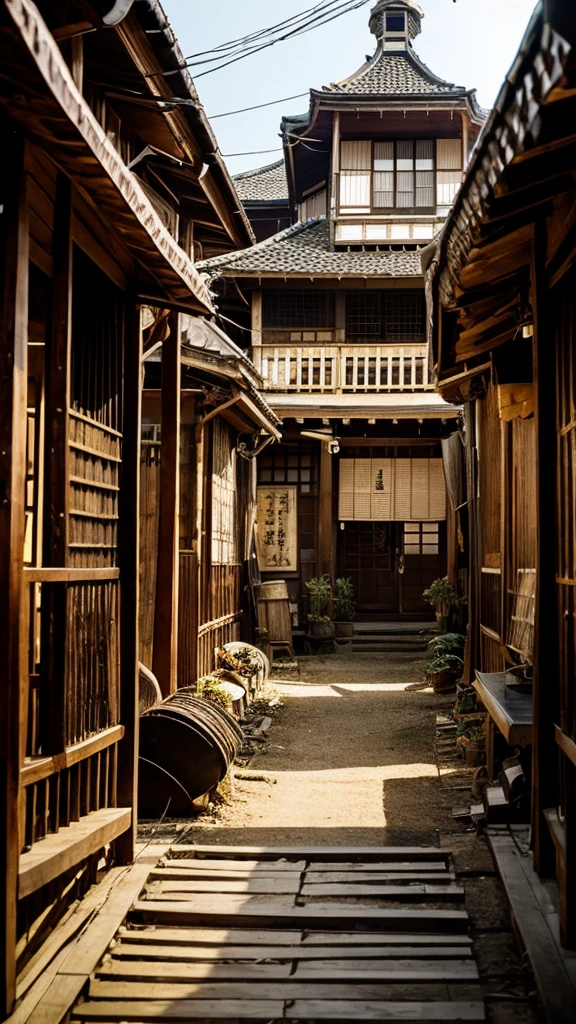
469, 42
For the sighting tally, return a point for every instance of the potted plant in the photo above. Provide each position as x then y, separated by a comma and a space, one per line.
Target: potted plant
442, 596
470, 737
448, 643
443, 672
344, 607
320, 589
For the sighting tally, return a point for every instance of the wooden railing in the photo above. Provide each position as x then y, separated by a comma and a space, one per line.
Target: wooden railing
343, 368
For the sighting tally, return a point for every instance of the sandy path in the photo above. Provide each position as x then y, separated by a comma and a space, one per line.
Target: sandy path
353, 759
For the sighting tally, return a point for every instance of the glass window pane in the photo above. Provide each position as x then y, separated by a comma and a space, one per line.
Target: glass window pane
429, 549
404, 165
404, 150
411, 549
412, 527
430, 527
425, 149
279, 476
424, 165
383, 156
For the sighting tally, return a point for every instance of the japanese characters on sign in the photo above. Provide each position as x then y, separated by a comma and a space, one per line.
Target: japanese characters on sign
277, 529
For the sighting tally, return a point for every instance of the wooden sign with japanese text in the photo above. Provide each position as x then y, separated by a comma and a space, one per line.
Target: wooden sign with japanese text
277, 533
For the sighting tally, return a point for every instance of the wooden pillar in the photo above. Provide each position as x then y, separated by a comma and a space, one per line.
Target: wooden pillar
546, 632
324, 555
165, 661
129, 580
14, 241
56, 469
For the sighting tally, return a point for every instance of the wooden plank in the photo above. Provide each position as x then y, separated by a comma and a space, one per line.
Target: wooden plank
14, 241
325, 545
129, 553
147, 970
391, 892
204, 865
38, 574
165, 650
226, 910
552, 980
57, 1000
56, 472
231, 875
62, 850
40, 768
215, 937
301, 1009
315, 853
311, 1009
264, 886
315, 938
181, 1010
359, 988
376, 969
364, 868
369, 877
211, 936
127, 951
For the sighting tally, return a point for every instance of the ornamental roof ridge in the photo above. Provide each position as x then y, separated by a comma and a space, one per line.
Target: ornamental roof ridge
395, 73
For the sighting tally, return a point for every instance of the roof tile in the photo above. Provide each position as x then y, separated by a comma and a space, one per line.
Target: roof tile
263, 183
305, 249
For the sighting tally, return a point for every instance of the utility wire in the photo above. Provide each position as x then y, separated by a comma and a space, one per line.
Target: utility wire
258, 106
253, 152
323, 14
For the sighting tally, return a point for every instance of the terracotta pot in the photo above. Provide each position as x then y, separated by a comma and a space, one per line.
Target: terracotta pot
443, 682
325, 629
344, 628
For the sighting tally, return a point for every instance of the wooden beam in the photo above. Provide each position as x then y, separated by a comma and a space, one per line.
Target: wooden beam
14, 242
56, 468
129, 527
325, 546
62, 850
165, 661
545, 697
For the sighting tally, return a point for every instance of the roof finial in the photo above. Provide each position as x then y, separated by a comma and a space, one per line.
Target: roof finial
395, 23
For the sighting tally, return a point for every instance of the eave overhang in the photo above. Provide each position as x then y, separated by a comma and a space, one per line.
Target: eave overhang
43, 98
522, 173
424, 406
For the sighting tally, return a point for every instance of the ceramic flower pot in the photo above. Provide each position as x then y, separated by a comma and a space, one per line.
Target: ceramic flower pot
344, 628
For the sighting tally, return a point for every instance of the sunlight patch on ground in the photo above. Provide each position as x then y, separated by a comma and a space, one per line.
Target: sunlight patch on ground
296, 688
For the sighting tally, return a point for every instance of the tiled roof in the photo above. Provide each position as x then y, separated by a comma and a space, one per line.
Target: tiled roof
395, 74
305, 249
263, 183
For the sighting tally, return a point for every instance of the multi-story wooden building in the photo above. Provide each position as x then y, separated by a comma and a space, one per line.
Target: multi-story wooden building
338, 323
107, 196
502, 287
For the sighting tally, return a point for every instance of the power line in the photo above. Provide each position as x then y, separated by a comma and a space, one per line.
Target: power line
258, 106
253, 152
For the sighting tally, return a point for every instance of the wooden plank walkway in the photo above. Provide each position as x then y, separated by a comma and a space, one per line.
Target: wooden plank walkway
296, 934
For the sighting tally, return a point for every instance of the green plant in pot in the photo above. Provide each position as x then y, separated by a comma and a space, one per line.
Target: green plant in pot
447, 643
470, 736
443, 672
320, 599
344, 610
442, 596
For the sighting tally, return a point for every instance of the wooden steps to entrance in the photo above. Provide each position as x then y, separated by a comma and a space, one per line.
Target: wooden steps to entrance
297, 934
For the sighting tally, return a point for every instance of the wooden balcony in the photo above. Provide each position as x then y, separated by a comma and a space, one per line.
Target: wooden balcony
343, 368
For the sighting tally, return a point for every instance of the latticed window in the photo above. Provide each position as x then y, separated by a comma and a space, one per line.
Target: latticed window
404, 174
224, 510
289, 464
392, 316
297, 309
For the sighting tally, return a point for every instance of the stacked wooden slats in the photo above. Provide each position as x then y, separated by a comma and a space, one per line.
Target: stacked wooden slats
224, 933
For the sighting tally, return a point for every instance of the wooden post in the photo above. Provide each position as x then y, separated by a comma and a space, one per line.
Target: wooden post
545, 693
324, 556
14, 241
165, 661
129, 580
56, 470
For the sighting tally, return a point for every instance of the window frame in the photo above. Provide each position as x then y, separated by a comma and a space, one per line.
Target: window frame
394, 208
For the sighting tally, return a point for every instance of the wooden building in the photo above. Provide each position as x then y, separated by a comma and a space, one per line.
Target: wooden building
108, 194
338, 324
502, 288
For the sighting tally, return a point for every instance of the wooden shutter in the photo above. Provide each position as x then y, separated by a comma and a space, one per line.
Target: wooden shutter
362, 488
346, 489
355, 175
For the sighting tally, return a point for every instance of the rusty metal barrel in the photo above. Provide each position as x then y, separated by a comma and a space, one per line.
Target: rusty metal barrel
186, 747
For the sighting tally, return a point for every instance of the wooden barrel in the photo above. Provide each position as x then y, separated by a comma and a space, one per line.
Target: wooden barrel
274, 610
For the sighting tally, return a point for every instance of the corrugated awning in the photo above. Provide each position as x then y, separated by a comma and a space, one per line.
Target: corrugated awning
42, 97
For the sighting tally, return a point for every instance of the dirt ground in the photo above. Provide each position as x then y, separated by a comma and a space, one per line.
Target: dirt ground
352, 756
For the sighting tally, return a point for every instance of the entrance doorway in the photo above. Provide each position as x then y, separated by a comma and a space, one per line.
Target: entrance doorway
390, 564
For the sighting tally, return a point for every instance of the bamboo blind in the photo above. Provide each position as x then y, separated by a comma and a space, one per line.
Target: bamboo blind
392, 490
224, 504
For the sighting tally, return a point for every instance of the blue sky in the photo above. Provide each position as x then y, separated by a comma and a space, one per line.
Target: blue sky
470, 42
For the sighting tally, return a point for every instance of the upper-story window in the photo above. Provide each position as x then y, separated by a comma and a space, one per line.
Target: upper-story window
297, 309
403, 174
395, 22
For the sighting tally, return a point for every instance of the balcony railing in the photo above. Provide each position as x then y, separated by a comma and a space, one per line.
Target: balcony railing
343, 368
